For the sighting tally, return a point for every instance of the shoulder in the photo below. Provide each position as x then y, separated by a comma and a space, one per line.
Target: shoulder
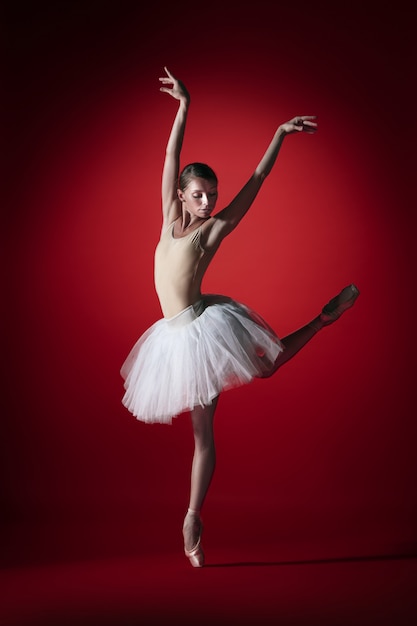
169, 222
167, 227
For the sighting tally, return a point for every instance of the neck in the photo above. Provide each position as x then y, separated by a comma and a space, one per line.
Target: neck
188, 220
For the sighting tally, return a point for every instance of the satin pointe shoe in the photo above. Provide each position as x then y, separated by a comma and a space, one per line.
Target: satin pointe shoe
339, 304
195, 554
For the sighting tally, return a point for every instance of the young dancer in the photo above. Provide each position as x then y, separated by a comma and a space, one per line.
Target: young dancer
205, 344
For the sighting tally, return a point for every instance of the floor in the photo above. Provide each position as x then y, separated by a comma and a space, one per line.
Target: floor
258, 589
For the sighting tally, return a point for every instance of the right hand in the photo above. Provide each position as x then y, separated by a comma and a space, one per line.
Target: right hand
178, 89
301, 123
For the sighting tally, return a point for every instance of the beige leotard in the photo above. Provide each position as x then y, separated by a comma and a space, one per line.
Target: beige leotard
179, 267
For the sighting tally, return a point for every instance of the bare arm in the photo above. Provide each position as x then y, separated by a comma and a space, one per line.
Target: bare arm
227, 219
171, 206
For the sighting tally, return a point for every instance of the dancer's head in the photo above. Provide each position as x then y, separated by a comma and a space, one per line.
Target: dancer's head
195, 170
197, 189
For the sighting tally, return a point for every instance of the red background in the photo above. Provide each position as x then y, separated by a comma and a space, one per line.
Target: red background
321, 458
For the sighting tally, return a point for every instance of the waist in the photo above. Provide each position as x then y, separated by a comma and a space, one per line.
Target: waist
174, 300
187, 315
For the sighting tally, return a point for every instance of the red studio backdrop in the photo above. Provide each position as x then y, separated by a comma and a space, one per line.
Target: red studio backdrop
323, 452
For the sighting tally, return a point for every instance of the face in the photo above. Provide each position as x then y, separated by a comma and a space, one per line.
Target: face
200, 197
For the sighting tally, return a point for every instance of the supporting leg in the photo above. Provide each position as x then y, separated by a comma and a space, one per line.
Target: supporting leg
204, 461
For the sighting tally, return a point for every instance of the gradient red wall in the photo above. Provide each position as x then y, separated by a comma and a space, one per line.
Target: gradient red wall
324, 451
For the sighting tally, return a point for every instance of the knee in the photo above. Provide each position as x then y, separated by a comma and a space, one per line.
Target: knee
270, 372
204, 440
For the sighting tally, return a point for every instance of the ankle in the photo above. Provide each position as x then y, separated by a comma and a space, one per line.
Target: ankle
194, 512
192, 529
192, 519
316, 324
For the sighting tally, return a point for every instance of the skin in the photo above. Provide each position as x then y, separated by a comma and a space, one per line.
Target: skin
198, 200
177, 203
193, 207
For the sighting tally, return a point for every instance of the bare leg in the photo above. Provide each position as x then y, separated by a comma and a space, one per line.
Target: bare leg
330, 313
204, 459
204, 462
292, 343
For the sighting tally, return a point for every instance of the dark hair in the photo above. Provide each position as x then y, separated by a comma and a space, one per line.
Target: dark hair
195, 170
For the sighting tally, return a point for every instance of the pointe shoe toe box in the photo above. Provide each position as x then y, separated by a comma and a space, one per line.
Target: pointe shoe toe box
196, 555
342, 302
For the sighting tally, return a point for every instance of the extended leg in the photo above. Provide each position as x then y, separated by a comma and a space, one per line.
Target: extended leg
203, 466
330, 313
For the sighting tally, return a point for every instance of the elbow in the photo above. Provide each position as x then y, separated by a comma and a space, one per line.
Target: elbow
260, 175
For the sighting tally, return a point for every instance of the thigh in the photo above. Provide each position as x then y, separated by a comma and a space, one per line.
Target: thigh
202, 418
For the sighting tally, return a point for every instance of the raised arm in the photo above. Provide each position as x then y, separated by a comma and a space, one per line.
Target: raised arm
230, 216
171, 206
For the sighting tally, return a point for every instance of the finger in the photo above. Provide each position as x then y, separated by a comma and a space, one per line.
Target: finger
308, 130
298, 121
303, 122
168, 72
301, 119
165, 79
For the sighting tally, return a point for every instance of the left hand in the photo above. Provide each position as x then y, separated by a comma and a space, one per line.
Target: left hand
178, 89
300, 123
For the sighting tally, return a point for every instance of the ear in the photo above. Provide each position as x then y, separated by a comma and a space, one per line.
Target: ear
180, 195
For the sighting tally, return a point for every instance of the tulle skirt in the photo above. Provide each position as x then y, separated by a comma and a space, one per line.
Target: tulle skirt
187, 360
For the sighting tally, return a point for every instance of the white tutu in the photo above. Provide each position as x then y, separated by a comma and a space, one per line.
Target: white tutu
187, 360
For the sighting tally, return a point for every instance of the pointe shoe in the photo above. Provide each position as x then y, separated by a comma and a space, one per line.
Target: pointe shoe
339, 304
196, 554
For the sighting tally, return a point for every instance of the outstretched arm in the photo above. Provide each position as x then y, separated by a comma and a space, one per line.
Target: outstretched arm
171, 206
229, 217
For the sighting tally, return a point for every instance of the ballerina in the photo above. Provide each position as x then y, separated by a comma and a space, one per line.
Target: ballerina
205, 343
